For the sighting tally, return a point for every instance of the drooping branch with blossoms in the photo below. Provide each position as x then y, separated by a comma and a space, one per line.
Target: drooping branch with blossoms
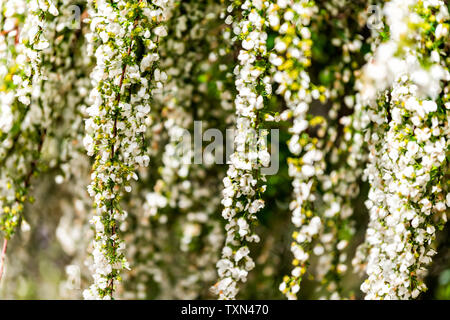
145, 94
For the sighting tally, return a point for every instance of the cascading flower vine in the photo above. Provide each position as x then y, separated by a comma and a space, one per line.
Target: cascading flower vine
408, 155
179, 209
24, 44
124, 78
27, 108
292, 55
343, 144
244, 182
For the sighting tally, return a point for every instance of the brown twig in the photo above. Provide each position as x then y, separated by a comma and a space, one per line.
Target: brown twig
16, 38
2, 259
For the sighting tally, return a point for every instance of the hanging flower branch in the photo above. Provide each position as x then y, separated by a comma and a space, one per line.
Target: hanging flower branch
126, 35
21, 121
25, 120
408, 160
291, 56
343, 142
244, 183
177, 216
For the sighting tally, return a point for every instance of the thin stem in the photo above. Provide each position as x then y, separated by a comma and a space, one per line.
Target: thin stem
122, 76
2, 259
